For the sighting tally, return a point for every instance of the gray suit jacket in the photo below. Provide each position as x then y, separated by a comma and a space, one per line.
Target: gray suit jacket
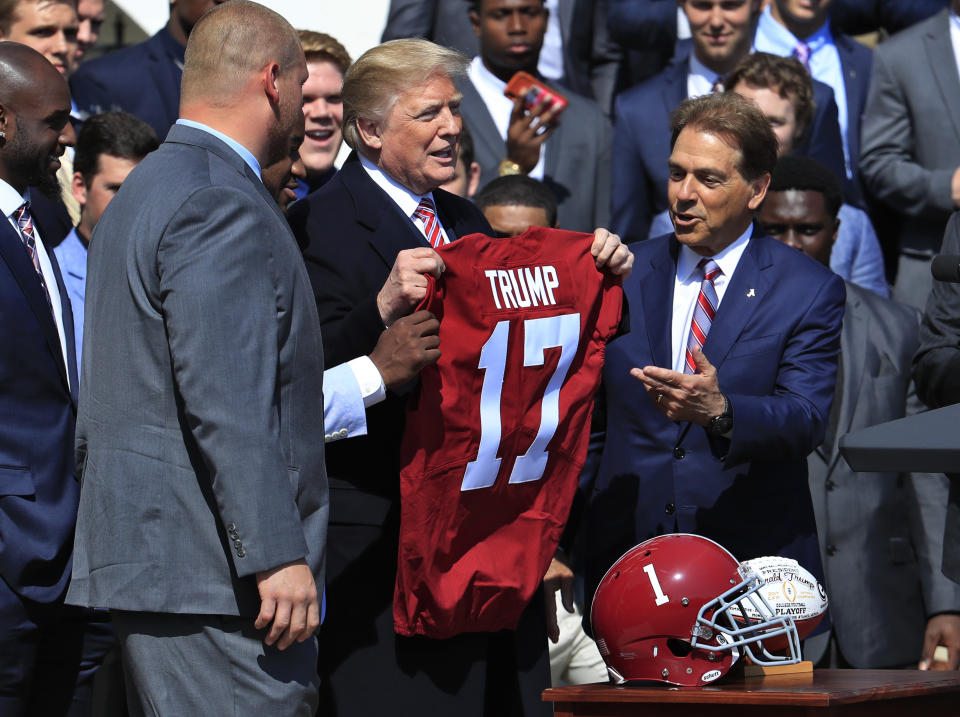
910, 139
881, 534
200, 440
577, 161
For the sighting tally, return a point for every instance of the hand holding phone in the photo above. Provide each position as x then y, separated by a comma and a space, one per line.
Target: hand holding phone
533, 119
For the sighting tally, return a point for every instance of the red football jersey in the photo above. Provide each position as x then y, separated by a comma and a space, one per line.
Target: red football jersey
497, 435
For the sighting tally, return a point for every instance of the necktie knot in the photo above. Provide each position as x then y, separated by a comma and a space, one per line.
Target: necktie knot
25, 222
710, 269
802, 53
427, 215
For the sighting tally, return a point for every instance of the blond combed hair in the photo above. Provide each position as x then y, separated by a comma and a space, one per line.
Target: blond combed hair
381, 74
319, 46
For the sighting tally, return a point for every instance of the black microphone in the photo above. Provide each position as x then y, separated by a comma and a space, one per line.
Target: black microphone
946, 267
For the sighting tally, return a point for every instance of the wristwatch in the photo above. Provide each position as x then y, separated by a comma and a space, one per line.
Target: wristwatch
508, 167
722, 424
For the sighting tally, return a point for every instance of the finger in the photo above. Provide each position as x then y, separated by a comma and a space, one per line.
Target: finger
931, 638
553, 629
281, 620
268, 608
422, 319
609, 246
665, 376
517, 112
953, 655
621, 263
566, 595
599, 238
430, 342
298, 624
700, 360
313, 620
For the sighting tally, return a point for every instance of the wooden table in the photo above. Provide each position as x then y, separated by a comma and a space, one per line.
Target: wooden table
877, 693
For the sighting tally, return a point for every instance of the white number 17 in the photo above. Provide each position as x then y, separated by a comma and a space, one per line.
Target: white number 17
539, 334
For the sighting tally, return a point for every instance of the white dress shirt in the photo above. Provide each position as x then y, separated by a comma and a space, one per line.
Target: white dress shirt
955, 37
498, 105
700, 78
403, 197
550, 64
10, 201
686, 289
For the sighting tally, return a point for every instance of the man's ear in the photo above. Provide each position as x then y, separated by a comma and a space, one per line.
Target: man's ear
473, 178
79, 189
270, 76
758, 191
475, 22
370, 133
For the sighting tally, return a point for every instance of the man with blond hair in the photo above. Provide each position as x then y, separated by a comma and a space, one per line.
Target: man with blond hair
327, 62
203, 510
366, 249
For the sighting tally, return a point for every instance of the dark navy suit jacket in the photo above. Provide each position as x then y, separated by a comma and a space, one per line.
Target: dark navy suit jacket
39, 491
856, 61
143, 80
641, 144
774, 342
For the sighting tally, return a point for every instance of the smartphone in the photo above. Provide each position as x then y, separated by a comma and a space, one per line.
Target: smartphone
525, 85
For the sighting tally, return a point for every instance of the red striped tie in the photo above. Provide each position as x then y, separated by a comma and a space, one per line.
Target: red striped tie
25, 222
703, 313
431, 226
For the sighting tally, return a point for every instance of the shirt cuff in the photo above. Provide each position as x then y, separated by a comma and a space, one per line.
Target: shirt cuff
369, 380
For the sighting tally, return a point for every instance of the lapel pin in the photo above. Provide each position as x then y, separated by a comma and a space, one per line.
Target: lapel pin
751, 294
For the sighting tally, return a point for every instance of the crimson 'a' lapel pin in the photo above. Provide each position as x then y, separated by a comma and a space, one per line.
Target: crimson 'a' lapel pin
751, 294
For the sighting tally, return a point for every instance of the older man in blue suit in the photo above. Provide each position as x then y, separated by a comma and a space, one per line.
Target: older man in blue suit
722, 33
734, 339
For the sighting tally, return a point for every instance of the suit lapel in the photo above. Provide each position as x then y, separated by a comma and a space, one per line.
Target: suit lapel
69, 331
15, 255
853, 344
747, 290
482, 128
656, 289
944, 67
372, 206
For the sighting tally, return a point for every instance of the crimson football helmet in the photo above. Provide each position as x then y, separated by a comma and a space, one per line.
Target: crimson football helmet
680, 609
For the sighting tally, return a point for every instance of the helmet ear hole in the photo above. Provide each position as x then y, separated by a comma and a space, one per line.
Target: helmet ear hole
679, 648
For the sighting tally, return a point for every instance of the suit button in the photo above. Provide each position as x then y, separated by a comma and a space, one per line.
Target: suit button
831, 550
327, 436
241, 553
231, 527
237, 544
679, 453
670, 509
342, 432
830, 485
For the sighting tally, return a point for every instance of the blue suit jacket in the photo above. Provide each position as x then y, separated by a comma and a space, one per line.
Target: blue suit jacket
143, 80
641, 144
38, 409
774, 341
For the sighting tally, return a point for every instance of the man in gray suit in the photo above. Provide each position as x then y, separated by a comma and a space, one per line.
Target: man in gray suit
569, 153
203, 507
881, 534
910, 143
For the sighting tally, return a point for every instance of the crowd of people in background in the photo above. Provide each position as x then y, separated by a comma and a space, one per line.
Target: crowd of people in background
191, 283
